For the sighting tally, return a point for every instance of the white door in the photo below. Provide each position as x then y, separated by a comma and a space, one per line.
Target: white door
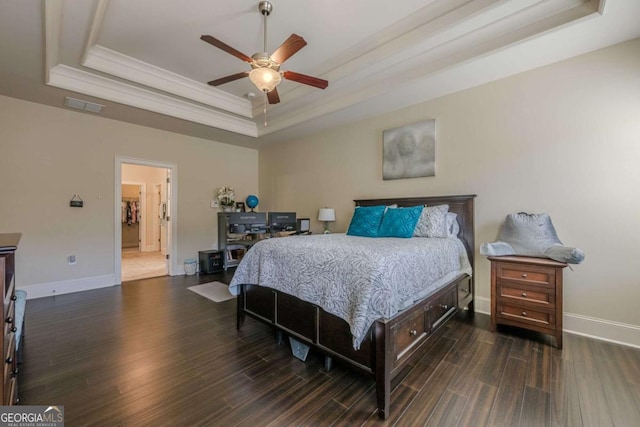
155, 216
164, 217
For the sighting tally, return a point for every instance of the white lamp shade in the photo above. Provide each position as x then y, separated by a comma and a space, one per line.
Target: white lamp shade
265, 79
327, 214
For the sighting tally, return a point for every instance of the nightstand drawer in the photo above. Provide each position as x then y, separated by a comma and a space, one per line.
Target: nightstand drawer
526, 315
508, 292
527, 274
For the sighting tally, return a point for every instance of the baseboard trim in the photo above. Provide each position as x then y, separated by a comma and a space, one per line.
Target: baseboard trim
482, 305
68, 286
600, 329
591, 327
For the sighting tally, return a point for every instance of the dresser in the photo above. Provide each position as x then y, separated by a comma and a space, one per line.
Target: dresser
8, 246
527, 292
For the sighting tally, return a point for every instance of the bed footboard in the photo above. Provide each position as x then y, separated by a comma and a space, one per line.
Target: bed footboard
391, 344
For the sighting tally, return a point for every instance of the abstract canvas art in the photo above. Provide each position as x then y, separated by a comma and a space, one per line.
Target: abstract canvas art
409, 151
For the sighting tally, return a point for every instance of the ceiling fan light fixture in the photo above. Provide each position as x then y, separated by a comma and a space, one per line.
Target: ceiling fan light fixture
265, 79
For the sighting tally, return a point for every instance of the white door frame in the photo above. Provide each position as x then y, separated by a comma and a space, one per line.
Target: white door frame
172, 232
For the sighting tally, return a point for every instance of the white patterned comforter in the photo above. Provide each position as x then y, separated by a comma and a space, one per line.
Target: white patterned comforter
359, 279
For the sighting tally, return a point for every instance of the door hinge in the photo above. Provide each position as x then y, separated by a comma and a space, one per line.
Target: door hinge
168, 219
168, 180
167, 256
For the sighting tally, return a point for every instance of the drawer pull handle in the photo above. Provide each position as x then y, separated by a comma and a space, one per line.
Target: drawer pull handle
15, 371
9, 319
524, 294
9, 360
524, 275
14, 329
413, 332
444, 306
524, 313
13, 298
465, 290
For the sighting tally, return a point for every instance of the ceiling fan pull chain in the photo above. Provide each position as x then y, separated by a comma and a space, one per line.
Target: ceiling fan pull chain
266, 101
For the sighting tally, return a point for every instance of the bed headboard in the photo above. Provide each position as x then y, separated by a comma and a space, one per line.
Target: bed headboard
462, 205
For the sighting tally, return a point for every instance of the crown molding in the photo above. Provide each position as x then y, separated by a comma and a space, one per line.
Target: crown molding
448, 49
53, 11
102, 59
94, 28
108, 61
440, 36
65, 77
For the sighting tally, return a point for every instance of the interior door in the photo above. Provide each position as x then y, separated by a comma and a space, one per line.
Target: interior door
165, 215
156, 205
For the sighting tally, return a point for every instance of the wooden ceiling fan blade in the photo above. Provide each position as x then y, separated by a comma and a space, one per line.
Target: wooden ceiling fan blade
273, 96
227, 79
287, 49
304, 79
221, 45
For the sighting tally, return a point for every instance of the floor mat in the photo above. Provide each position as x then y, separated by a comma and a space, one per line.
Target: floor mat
215, 291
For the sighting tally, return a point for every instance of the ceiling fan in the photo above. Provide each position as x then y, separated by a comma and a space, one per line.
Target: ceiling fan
265, 71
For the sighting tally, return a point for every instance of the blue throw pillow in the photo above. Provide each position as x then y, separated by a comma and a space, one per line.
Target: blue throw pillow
366, 221
400, 222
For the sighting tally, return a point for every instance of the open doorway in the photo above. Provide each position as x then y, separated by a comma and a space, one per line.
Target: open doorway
145, 231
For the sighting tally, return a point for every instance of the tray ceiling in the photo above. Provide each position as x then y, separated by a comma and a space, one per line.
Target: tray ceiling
145, 61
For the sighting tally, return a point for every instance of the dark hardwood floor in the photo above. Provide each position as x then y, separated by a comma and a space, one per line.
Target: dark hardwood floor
151, 352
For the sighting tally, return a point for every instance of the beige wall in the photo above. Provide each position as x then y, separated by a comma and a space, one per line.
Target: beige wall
563, 139
49, 154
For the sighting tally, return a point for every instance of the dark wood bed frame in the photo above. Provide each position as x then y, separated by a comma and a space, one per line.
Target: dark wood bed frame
391, 344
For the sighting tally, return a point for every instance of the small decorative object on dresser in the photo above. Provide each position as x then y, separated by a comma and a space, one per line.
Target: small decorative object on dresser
227, 198
527, 292
252, 202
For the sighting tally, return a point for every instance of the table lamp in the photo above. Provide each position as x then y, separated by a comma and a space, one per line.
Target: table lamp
327, 215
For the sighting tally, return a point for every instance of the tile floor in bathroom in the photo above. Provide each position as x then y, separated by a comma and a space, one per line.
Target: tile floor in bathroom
141, 265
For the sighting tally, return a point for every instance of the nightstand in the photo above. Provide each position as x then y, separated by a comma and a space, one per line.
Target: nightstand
527, 292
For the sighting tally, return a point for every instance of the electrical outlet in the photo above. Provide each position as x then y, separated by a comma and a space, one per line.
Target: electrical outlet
72, 259
215, 204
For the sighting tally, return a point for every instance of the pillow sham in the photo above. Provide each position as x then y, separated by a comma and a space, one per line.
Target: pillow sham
399, 222
366, 220
453, 228
432, 222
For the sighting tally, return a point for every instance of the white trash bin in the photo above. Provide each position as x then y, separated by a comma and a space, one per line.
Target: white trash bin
190, 266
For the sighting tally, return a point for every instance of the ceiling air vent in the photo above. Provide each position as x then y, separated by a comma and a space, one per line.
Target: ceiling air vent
79, 104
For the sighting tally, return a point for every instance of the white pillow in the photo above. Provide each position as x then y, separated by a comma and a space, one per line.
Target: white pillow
453, 228
432, 222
